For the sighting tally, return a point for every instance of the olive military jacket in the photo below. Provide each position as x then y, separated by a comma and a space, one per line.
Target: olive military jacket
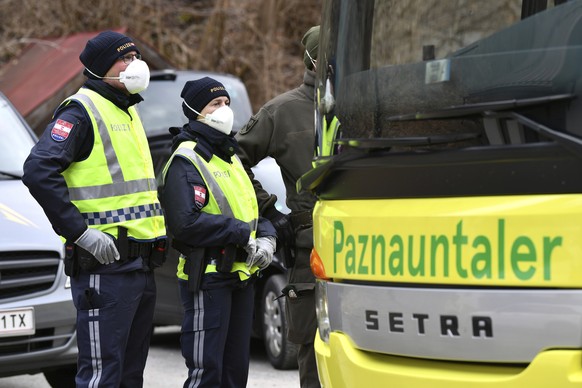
284, 130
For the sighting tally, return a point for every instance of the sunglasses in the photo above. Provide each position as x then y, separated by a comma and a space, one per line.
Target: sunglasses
128, 58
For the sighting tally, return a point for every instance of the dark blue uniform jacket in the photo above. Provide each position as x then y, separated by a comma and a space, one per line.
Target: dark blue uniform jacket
53, 154
182, 207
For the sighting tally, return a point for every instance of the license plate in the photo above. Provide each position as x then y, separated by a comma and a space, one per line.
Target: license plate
17, 322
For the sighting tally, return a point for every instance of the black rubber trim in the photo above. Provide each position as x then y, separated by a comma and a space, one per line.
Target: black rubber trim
539, 168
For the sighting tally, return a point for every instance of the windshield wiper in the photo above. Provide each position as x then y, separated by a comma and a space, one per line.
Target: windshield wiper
412, 141
477, 109
11, 175
569, 142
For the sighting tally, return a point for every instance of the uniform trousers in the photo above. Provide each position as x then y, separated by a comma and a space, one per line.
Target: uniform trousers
114, 327
302, 320
216, 331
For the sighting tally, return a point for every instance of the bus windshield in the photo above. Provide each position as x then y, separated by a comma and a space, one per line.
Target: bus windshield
389, 63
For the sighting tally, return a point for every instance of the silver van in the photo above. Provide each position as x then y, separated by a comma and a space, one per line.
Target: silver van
37, 316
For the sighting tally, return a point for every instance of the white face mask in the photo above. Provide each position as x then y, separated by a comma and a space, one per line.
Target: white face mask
136, 76
221, 119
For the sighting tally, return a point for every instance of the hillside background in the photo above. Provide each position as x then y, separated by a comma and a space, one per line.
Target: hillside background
256, 40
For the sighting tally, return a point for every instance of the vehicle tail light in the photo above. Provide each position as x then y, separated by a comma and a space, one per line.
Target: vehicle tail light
317, 265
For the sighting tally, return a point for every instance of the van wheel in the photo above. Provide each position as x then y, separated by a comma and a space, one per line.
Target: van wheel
63, 377
282, 354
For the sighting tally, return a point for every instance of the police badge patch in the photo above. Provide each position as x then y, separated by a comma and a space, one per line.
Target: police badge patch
61, 130
247, 128
199, 196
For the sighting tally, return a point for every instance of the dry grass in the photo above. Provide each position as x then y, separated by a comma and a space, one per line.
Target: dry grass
257, 40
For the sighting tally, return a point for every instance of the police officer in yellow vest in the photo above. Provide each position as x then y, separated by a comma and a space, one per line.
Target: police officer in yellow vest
92, 173
212, 212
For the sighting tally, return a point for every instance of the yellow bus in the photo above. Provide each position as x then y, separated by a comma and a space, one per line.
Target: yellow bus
448, 171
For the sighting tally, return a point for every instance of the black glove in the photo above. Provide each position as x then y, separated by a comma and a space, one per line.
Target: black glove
282, 224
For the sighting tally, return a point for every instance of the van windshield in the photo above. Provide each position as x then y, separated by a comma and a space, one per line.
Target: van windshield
16, 140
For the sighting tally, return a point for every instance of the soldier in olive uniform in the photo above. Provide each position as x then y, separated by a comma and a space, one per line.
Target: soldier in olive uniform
284, 130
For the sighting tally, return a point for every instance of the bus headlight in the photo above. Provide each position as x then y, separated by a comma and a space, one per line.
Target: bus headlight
321, 310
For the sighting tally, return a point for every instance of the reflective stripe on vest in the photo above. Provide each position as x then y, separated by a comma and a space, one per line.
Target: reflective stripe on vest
110, 188
213, 186
122, 215
119, 186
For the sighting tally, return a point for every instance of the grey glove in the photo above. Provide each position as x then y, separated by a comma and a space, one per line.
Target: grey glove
250, 248
99, 245
265, 249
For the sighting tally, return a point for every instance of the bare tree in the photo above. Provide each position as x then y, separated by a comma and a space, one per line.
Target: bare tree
256, 40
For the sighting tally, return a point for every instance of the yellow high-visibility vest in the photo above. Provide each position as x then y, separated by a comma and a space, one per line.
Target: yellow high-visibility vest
326, 135
231, 194
116, 184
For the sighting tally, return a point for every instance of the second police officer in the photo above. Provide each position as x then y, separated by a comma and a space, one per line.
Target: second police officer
212, 213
